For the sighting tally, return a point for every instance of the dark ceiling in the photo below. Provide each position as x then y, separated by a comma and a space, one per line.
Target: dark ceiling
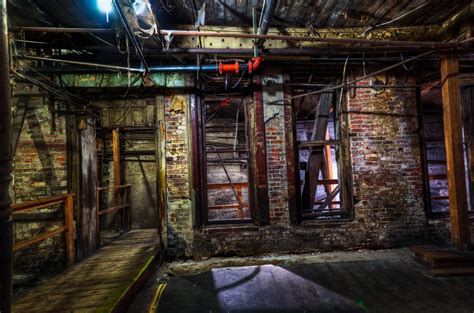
302, 13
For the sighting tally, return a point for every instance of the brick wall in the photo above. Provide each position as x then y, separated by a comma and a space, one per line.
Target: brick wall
274, 118
179, 207
388, 203
39, 171
387, 177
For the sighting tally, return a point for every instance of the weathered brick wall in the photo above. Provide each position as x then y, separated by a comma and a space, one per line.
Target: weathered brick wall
274, 117
387, 177
385, 156
179, 207
40, 171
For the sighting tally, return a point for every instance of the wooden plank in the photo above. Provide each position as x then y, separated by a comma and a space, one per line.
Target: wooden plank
86, 213
315, 159
258, 154
26, 243
19, 120
106, 282
453, 271
161, 170
38, 204
117, 168
460, 233
292, 164
114, 209
226, 185
69, 225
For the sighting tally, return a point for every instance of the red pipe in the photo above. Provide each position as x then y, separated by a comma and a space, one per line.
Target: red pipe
251, 66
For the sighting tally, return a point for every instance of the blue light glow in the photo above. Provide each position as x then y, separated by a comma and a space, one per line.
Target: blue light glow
105, 5
139, 6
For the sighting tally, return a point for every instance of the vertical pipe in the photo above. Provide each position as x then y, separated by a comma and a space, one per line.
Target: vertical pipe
6, 227
254, 22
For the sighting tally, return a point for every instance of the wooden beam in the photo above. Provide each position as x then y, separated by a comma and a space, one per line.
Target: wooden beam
116, 156
454, 153
69, 227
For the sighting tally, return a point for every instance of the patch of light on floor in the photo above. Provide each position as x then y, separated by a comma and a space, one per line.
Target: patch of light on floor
270, 288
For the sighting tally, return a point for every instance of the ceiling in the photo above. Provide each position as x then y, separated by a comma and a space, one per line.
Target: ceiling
289, 13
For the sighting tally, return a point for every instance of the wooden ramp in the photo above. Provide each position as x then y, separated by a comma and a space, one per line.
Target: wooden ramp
445, 262
107, 281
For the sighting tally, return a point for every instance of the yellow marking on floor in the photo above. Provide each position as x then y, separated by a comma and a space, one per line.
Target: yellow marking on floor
156, 298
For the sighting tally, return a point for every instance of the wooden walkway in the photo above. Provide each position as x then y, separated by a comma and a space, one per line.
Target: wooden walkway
107, 281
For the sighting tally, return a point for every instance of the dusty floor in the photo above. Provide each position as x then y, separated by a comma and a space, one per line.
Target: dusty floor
362, 281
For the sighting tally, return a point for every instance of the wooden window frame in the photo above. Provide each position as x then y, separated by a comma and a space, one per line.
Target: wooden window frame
257, 170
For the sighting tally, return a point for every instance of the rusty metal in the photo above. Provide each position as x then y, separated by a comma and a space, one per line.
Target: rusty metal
131, 35
6, 158
379, 43
343, 85
80, 30
256, 131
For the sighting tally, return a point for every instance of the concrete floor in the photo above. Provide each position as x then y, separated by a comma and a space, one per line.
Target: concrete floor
364, 281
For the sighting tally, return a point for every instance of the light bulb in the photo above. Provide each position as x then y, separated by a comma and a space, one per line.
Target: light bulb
105, 5
139, 6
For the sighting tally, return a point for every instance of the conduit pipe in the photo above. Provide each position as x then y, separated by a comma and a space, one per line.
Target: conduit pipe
220, 68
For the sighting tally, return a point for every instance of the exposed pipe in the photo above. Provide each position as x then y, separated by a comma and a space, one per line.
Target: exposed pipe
131, 35
358, 41
267, 15
378, 43
81, 30
6, 159
221, 68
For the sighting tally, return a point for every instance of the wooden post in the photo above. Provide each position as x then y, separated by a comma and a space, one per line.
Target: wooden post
454, 153
239, 201
6, 158
97, 217
69, 223
117, 172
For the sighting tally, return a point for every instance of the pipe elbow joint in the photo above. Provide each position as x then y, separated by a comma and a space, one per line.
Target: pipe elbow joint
254, 64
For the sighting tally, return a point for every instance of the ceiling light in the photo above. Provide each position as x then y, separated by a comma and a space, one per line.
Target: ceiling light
105, 6
139, 6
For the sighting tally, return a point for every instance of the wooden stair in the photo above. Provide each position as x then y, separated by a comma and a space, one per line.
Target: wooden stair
445, 262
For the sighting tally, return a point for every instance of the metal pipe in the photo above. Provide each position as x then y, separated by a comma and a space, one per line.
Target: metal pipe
103, 66
62, 30
267, 15
131, 35
378, 43
6, 162
190, 33
155, 69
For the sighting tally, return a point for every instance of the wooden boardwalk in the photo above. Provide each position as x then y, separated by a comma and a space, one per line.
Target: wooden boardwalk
107, 281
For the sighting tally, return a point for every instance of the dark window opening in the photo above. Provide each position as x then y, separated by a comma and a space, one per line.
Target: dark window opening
319, 146
434, 153
227, 159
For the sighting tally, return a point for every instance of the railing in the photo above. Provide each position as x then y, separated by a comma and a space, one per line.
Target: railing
118, 205
67, 229
238, 190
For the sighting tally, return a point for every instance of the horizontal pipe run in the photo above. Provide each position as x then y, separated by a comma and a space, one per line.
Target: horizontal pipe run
190, 33
359, 41
79, 30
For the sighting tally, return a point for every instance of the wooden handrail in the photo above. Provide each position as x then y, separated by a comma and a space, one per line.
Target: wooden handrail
226, 185
31, 205
115, 208
67, 229
113, 187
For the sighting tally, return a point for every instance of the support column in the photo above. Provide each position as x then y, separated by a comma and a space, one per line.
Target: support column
454, 152
6, 227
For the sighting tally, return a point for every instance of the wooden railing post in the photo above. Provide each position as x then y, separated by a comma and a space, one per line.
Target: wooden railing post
458, 210
69, 224
97, 216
